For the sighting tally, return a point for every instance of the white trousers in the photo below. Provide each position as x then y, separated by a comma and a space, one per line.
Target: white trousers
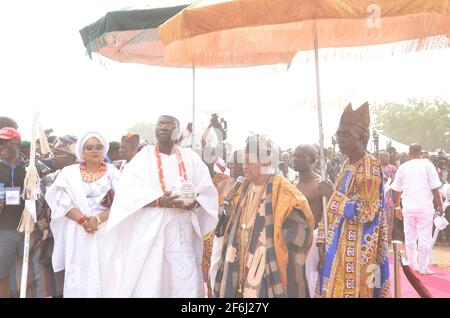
312, 264
418, 227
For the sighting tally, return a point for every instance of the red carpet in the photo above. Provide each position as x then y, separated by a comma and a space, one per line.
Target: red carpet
438, 284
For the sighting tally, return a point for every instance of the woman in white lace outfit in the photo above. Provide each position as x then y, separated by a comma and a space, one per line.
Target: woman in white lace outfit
78, 201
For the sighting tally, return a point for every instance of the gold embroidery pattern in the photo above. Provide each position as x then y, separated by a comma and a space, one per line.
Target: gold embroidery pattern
337, 203
368, 251
386, 290
350, 261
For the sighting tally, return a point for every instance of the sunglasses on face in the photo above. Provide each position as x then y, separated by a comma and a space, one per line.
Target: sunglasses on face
98, 147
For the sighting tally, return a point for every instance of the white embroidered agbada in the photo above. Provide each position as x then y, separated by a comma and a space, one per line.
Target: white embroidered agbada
75, 251
156, 252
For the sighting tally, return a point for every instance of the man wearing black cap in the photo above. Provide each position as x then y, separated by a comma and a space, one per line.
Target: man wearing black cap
355, 260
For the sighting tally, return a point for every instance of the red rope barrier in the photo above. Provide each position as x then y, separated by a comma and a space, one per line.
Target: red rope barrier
416, 282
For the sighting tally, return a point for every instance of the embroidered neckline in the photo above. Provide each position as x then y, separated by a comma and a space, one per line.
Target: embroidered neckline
181, 166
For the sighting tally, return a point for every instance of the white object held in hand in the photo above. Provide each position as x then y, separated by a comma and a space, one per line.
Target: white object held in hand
186, 191
440, 222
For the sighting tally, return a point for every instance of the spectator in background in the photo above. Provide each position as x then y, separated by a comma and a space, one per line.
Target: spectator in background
285, 167
113, 152
212, 157
305, 157
425, 155
393, 156
12, 175
441, 162
404, 157
186, 138
389, 171
42, 166
330, 168
445, 191
52, 139
129, 147
219, 129
42, 280
417, 184
25, 149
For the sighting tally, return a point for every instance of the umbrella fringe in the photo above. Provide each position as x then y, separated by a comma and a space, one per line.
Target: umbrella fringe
183, 52
378, 51
227, 59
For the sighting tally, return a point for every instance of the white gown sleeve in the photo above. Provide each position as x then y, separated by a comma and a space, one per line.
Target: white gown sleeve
215, 260
208, 198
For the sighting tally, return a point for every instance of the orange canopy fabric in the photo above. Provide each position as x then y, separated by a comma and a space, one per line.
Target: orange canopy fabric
213, 32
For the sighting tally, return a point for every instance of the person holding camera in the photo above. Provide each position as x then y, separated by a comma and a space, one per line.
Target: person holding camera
220, 129
214, 158
186, 139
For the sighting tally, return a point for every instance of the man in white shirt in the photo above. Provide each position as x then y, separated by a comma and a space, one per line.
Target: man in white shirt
288, 172
418, 182
445, 191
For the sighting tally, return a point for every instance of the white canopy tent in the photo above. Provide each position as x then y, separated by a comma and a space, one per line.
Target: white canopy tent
385, 141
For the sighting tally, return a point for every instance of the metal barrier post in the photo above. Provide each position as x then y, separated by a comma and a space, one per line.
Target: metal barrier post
397, 246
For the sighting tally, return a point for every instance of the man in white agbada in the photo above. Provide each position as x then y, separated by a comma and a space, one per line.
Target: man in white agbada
78, 218
154, 240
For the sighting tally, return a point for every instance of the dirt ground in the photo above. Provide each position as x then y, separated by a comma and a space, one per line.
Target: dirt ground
442, 256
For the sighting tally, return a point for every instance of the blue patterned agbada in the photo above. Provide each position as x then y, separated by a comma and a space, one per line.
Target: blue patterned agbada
356, 260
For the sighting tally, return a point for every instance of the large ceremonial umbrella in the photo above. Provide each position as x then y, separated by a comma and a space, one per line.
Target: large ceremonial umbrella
212, 32
211, 29
130, 36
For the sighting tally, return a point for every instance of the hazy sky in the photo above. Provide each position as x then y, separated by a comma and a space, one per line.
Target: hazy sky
43, 66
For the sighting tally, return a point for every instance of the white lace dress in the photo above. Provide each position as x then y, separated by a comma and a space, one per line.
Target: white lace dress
79, 252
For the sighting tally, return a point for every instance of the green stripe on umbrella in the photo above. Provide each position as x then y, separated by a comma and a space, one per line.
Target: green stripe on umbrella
129, 35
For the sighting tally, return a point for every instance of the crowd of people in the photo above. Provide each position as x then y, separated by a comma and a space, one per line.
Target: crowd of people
133, 219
